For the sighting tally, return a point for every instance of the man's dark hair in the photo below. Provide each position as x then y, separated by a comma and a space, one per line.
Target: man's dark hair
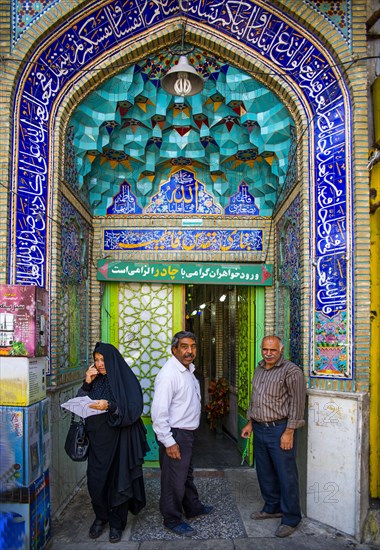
180, 335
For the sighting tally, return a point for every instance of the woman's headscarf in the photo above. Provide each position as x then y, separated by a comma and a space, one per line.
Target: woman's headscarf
124, 385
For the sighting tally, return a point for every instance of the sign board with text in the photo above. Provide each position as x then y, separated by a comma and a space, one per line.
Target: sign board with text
182, 273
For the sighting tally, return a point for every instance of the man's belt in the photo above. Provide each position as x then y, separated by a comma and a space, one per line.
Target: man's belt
272, 423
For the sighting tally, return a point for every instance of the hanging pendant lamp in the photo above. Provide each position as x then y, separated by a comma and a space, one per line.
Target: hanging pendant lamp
182, 79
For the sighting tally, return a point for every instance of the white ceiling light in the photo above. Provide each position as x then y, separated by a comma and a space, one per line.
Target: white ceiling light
182, 79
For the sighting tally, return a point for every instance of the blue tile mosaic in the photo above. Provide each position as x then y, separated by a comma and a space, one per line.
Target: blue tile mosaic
124, 202
242, 203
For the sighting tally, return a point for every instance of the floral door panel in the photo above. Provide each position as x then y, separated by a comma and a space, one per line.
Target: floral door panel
143, 313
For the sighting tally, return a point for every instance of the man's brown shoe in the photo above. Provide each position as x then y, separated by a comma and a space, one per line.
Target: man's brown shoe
265, 515
284, 530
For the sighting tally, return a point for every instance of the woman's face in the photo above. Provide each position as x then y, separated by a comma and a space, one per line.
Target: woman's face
99, 363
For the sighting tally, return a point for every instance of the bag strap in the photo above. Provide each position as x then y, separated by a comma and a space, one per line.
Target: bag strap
73, 415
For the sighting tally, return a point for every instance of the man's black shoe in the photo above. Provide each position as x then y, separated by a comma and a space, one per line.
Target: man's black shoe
96, 528
115, 534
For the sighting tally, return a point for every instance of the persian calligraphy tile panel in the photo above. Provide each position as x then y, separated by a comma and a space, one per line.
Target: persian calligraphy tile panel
284, 48
124, 202
25, 13
200, 240
183, 194
242, 203
145, 331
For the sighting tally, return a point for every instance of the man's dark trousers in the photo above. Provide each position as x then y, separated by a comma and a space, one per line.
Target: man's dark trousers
277, 473
177, 481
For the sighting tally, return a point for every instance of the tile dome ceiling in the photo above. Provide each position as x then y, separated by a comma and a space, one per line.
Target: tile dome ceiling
130, 130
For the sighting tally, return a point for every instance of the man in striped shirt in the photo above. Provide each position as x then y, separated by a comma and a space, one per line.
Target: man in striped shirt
276, 411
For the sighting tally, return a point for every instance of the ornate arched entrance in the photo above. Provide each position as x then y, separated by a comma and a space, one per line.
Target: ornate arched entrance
279, 50
93, 43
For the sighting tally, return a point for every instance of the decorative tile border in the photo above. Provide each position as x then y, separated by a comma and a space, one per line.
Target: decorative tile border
283, 47
25, 13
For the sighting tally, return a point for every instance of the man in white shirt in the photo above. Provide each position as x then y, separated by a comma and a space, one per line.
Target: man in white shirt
176, 410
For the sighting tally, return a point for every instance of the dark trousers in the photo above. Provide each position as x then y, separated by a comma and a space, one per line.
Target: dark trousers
178, 491
277, 473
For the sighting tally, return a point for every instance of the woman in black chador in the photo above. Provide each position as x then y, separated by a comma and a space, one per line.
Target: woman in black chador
117, 441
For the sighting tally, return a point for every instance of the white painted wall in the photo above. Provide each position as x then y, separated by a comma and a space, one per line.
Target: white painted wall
337, 459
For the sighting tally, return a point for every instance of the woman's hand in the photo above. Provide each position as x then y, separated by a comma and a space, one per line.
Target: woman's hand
91, 373
100, 405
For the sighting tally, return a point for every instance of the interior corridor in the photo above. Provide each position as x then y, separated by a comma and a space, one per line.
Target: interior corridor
213, 451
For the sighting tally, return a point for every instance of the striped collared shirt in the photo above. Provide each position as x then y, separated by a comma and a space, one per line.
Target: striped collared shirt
277, 393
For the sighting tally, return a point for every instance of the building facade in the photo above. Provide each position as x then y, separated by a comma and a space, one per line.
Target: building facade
240, 211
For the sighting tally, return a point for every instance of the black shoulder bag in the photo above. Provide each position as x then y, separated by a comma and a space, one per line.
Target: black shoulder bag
77, 442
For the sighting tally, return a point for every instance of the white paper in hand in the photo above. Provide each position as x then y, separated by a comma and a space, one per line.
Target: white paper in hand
80, 406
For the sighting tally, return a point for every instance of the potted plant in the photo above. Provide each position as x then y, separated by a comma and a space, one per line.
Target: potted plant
219, 403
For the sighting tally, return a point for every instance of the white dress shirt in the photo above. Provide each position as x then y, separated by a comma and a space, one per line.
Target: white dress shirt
176, 401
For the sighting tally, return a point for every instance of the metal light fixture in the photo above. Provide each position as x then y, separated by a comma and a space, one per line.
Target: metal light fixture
182, 79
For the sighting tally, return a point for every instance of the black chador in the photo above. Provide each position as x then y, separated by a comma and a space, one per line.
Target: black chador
117, 441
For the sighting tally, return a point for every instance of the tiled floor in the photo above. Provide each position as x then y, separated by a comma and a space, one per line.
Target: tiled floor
222, 482
213, 454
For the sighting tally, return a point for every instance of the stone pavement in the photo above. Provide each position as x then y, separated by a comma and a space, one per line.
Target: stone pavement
234, 493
